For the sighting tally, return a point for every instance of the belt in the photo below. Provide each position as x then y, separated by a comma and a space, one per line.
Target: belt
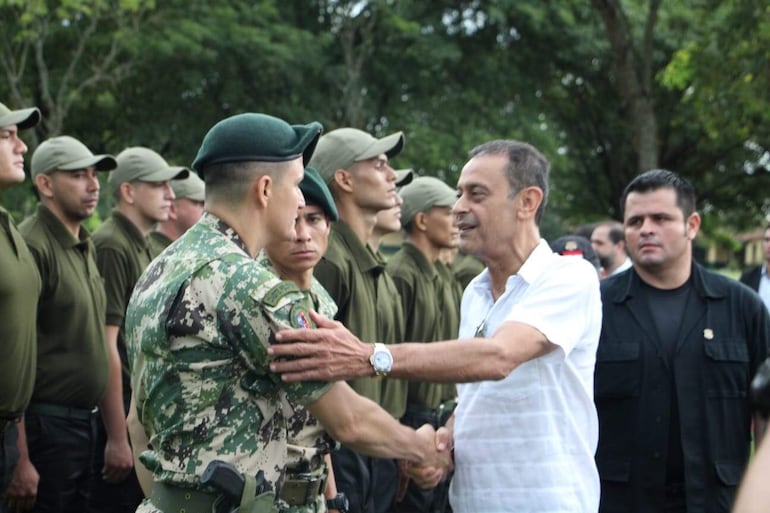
302, 489
169, 498
58, 410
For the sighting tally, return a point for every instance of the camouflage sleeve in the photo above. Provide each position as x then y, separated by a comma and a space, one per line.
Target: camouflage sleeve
325, 305
269, 306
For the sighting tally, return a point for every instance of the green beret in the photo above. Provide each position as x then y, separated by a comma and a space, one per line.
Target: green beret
22, 118
256, 137
424, 193
66, 153
317, 193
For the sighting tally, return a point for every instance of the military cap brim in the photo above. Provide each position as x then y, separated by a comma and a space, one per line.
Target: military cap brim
22, 118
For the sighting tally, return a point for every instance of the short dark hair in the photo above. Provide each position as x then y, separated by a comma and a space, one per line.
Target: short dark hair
615, 232
527, 167
229, 181
662, 179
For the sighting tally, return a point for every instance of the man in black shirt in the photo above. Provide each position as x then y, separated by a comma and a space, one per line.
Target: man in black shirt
678, 348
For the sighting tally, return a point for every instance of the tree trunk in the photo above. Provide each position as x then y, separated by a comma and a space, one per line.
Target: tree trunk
633, 71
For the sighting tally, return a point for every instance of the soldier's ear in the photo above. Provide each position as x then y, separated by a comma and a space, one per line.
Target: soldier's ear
344, 180
418, 221
126, 192
43, 186
262, 189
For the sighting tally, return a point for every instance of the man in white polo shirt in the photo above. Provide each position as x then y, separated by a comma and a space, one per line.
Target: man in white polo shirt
525, 429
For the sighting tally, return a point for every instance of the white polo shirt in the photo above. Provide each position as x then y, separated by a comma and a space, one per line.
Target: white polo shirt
527, 443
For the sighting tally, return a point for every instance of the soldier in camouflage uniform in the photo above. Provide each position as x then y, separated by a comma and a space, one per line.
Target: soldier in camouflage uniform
202, 318
295, 260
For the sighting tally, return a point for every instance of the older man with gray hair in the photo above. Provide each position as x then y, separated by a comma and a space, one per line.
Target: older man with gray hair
525, 429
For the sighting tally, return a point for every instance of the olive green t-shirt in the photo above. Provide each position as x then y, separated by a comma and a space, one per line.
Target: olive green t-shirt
19, 291
350, 273
122, 254
157, 243
391, 329
420, 286
72, 362
450, 294
465, 268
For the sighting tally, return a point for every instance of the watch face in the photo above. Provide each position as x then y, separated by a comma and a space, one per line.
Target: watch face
382, 360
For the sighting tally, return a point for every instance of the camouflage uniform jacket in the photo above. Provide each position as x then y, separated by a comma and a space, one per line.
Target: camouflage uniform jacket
308, 440
198, 326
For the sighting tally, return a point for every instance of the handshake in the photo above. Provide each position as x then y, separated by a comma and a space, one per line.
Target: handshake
438, 461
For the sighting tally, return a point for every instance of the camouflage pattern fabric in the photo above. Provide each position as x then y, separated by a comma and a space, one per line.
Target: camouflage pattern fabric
308, 440
198, 326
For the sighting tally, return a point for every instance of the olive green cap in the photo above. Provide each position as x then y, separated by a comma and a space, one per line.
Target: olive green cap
341, 148
143, 164
192, 187
254, 137
66, 153
404, 177
22, 118
317, 193
424, 193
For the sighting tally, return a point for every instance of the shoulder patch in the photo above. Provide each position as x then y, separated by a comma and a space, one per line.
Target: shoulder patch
300, 316
273, 296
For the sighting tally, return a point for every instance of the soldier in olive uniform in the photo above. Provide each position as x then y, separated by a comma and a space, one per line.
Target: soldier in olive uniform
141, 185
19, 290
72, 365
200, 323
186, 209
355, 166
466, 267
428, 224
389, 308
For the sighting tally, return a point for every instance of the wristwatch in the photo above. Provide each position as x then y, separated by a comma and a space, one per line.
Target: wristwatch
339, 502
381, 359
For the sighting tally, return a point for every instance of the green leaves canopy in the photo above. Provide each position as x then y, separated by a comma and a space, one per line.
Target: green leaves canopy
449, 74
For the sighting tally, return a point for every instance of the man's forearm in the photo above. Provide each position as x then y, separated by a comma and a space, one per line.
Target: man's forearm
21, 440
111, 405
365, 427
333, 353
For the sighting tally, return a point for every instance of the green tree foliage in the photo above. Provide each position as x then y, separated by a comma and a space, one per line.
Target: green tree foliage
604, 88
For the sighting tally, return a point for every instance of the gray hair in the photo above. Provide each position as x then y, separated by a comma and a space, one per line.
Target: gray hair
527, 167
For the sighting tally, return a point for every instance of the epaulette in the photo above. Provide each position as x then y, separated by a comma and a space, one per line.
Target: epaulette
273, 296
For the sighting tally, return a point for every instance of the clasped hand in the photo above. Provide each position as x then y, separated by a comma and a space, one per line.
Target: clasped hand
438, 461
